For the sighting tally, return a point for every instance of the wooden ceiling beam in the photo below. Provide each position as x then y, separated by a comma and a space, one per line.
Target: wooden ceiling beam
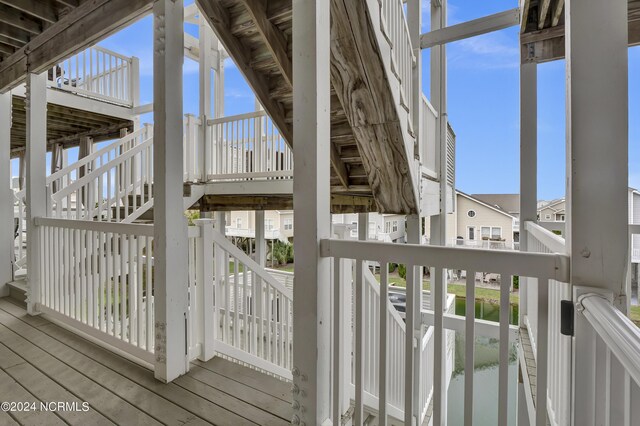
41, 9
338, 166
14, 33
274, 40
80, 28
7, 49
543, 12
18, 19
548, 44
11, 42
557, 13
70, 3
218, 17
524, 14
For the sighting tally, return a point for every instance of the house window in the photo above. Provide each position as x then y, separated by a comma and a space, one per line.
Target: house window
471, 213
387, 227
562, 217
485, 232
395, 226
496, 233
239, 222
268, 224
547, 217
288, 224
471, 232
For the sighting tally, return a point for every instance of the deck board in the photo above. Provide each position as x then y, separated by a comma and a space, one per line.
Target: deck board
44, 360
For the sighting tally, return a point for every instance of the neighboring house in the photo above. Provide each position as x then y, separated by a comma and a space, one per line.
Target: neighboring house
382, 227
279, 225
480, 224
553, 211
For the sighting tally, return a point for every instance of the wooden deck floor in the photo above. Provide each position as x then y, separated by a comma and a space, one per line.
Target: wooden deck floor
40, 361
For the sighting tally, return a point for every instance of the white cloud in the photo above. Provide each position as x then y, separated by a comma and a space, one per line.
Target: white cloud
489, 51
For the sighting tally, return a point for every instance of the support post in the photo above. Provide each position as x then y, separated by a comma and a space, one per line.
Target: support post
36, 156
311, 200
439, 222
414, 17
597, 173
6, 193
261, 246
528, 164
597, 144
205, 44
208, 320
170, 228
413, 348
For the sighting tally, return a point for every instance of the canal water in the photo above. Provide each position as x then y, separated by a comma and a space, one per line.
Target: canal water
485, 386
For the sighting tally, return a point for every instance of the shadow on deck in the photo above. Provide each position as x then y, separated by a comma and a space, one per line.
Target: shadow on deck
40, 361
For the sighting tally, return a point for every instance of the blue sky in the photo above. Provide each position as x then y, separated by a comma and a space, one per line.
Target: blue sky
483, 101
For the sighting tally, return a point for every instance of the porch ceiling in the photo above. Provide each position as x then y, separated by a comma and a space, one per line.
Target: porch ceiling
65, 125
542, 29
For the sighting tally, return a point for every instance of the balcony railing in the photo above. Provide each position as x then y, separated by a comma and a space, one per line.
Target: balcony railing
98, 73
247, 146
548, 269
607, 362
541, 240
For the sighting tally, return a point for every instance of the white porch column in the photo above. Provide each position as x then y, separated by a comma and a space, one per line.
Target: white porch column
597, 144
413, 348
311, 200
36, 168
205, 44
261, 245
6, 194
439, 222
218, 82
597, 171
170, 228
528, 163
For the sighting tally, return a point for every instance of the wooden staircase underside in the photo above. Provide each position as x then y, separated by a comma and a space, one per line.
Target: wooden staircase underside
368, 155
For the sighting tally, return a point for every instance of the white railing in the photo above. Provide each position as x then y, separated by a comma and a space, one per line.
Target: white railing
607, 363
98, 278
247, 147
251, 319
428, 153
396, 30
482, 243
20, 241
193, 149
547, 268
269, 234
541, 240
98, 73
112, 184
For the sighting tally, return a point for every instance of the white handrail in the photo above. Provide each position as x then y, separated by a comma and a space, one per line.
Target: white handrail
552, 242
131, 137
618, 332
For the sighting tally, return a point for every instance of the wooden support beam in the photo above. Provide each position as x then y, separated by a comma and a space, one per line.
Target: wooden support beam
340, 203
19, 20
77, 30
5, 48
41, 9
219, 19
486, 24
274, 39
69, 3
543, 11
11, 42
339, 167
524, 14
14, 33
557, 13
